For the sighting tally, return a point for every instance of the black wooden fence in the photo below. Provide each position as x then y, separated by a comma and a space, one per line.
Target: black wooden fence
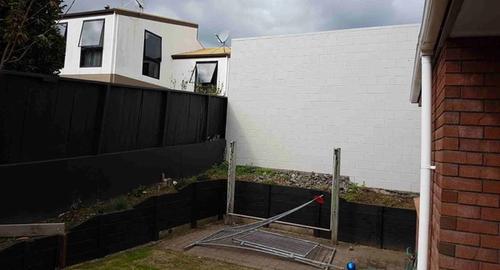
66, 140
109, 233
383, 227
377, 226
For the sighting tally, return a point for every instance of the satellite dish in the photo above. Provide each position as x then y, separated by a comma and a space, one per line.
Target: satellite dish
140, 3
222, 38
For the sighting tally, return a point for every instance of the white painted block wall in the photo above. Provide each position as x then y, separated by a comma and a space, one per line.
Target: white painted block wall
293, 98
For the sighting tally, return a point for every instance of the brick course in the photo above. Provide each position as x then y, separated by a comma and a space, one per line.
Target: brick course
466, 151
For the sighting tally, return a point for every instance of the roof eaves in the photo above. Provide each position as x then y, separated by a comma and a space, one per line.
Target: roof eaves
435, 12
129, 13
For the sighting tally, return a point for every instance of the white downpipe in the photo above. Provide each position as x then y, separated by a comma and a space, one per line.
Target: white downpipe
425, 166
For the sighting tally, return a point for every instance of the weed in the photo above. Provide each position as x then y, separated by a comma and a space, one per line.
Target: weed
183, 182
268, 182
116, 204
354, 192
139, 191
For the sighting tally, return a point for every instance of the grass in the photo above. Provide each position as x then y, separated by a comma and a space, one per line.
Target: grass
152, 258
354, 193
219, 171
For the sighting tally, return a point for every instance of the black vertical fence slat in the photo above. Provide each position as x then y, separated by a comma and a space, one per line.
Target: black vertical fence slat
101, 121
166, 98
45, 118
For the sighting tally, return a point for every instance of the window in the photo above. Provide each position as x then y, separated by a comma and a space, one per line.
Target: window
91, 42
205, 77
152, 55
62, 29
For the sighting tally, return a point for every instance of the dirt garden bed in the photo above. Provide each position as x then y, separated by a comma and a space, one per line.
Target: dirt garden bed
348, 190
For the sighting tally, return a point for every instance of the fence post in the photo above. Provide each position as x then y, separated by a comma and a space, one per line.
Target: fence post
62, 250
231, 181
334, 215
194, 206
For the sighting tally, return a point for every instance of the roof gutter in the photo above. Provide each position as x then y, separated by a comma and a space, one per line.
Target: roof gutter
435, 12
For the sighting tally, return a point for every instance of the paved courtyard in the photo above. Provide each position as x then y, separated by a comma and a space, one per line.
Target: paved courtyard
365, 257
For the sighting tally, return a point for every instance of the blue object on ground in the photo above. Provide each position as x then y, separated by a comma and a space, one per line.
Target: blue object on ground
351, 266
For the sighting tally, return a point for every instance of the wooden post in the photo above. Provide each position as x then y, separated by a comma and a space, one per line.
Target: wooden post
334, 218
231, 181
62, 249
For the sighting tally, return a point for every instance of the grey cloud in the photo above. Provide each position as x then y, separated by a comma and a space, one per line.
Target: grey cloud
246, 18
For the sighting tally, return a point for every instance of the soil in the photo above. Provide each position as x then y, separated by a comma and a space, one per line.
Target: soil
349, 191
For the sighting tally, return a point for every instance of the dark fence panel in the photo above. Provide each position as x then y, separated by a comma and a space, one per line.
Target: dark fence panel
399, 229
108, 233
252, 199
46, 188
216, 124
36, 254
47, 117
360, 223
371, 225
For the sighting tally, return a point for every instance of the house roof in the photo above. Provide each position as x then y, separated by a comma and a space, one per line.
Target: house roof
204, 53
129, 13
452, 18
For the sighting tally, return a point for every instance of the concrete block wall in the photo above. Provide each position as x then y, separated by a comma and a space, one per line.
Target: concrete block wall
466, 151
292, 98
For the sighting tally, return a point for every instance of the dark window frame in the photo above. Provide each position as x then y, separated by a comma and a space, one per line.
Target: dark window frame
144, 57
196, 72
92, 48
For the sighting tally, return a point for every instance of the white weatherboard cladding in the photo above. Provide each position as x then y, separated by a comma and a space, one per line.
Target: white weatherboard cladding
73, 50
130, 46
293, 98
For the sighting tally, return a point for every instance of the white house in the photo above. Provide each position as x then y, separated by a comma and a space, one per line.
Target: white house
293, 98
211, 68
139, 49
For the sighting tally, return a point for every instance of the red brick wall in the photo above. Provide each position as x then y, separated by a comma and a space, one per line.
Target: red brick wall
466, 150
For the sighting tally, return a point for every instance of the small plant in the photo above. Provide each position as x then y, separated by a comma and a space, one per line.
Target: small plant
173, 82
218, 171
120, 203
182, 183
184, 85
353, 192
268, 182
208, 89
139, 191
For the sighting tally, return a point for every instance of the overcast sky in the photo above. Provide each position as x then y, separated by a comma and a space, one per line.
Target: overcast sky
248, 18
